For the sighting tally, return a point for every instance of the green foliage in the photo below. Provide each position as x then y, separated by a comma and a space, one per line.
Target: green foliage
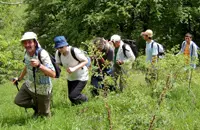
11, 52
82, 20
133, 109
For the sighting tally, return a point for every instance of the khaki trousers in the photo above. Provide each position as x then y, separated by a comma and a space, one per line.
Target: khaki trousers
26, 98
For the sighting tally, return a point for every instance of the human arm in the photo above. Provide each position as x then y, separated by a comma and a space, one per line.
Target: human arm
154, 52
21, 76
129, 55
46, 65
82, 61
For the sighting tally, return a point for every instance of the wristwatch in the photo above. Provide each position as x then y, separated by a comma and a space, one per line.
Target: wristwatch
39, 65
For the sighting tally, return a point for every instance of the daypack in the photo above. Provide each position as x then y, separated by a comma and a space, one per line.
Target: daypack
53, 60
132, 45
74, 56
161, 51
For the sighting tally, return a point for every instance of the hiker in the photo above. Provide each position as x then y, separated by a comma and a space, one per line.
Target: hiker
37, 76
77, 72
151, 52
103, 62
189, 49
123, 60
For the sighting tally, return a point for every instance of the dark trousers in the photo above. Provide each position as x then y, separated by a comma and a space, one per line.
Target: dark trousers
74, 91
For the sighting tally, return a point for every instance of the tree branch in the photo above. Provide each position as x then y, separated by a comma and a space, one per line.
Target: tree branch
7, 3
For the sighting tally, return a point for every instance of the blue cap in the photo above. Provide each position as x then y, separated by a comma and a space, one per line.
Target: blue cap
60, 41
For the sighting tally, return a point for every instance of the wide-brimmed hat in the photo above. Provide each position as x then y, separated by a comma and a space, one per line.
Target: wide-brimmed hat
148, 32
30, 36
60, 41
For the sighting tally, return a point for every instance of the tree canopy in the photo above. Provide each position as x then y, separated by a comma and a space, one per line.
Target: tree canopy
85, 19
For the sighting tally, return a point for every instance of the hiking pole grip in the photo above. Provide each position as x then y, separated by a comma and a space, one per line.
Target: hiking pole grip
16, 83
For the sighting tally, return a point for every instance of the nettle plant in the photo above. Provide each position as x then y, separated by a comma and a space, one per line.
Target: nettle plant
95, 55
171, 72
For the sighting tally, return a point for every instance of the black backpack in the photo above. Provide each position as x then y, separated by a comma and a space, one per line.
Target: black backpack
53, 60
132, 45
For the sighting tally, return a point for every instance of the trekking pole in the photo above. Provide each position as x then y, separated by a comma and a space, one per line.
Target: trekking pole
16, 84
36, 100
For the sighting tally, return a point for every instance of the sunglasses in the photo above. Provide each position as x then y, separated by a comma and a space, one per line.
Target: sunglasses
60, 47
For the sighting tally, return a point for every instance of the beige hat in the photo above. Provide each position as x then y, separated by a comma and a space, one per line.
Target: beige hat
148, 32
29, 36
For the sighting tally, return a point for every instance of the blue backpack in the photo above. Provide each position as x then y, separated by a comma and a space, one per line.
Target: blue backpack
74, 56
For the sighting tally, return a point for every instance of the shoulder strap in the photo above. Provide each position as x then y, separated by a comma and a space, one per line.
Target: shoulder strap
59, 55
73, 54
124, 49
39, 55
152, 45
192, 50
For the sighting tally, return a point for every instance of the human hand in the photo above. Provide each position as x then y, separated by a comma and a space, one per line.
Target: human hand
120, 62
15, 80
70, 70
35, 63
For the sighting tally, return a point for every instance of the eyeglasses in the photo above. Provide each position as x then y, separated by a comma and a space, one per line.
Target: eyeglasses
60, 47
187, 37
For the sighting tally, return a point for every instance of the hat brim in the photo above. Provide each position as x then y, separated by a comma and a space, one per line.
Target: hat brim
144, 33
58, 46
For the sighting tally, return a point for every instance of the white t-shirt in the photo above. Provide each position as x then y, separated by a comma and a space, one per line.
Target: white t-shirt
151, 51
69, 61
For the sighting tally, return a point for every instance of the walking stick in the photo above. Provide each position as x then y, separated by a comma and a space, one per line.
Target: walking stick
36, 100
16, 84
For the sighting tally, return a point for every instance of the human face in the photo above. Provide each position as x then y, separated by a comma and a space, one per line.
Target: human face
188, 39
116, 44
30, 46
62, 50
145, 37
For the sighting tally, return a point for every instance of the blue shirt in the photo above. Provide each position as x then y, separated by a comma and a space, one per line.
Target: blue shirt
150, 52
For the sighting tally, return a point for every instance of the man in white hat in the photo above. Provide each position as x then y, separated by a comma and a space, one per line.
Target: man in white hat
36, 91
122, 60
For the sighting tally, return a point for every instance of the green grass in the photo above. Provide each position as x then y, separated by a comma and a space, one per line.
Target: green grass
131, 110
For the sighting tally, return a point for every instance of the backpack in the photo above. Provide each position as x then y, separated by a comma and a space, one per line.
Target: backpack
161, 51
132, 45
74, 56
53, 60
